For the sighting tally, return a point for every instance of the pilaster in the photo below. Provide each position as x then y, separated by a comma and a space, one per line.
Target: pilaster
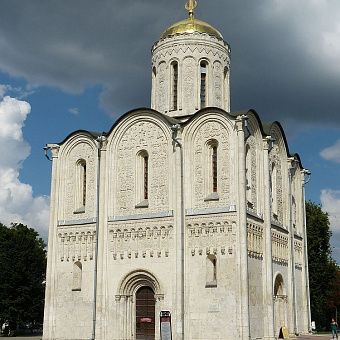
242, 224
268, 262
49, 310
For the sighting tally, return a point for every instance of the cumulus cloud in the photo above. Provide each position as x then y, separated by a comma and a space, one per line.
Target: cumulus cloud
17, 202
330, 201
332, 153
284, 53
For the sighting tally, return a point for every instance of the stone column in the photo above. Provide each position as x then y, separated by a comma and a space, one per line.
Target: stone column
49, 311
242, 225
268, 262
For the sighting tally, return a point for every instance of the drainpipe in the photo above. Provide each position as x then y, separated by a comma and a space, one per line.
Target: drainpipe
177, 142
99, 141
305, 173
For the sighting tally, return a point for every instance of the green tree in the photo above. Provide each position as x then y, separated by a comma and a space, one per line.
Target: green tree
22, 273
321, 265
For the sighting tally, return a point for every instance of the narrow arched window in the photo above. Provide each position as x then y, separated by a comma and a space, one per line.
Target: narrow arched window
146, 175
77, 275
274, 190
211, 271
214, 167
80, 189
142, 179
203, 87
248, 174
174, 85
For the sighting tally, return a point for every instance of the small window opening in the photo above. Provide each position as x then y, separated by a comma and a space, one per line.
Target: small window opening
211, 271
214, 167
174, 85
146, 175
203, 94
80, 187
77, 276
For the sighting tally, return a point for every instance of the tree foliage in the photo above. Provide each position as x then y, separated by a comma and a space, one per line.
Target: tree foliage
322, 269
22, 273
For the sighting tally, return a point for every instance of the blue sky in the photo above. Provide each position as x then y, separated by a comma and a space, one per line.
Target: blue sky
80, 64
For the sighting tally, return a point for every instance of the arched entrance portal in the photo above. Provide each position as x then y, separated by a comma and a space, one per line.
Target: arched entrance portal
138, 301
145, 314
280, 304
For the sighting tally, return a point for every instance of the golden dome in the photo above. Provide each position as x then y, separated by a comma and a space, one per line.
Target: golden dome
191, 25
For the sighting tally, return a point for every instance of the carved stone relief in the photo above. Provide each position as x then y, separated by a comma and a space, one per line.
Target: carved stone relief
149, 137
211, 236
255, 240
251, 142
298, 247
189, 71
207, 131
161, 88
76, 245
86, 152
218, 84
274, 157
279, 247
140, 239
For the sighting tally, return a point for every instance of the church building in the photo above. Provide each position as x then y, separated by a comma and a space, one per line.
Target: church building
183, 221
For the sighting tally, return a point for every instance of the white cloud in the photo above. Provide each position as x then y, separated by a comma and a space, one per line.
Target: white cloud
74, 111
332, 153
17, 203
330, 201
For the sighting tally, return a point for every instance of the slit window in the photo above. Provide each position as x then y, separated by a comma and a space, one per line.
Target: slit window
80, 186
203, 87
174, 85
211, 271
142, 179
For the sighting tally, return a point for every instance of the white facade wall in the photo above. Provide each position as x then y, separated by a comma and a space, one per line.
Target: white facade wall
203, 206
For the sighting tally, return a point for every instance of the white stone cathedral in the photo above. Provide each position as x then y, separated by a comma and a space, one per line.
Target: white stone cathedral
185, 207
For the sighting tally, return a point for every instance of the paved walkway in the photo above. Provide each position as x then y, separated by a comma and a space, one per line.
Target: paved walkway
302, 337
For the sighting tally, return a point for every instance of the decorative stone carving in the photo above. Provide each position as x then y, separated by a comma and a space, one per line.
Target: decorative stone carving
274, 158
87, 152
298, 247
76, 245
280, 247
148, 136
161, 88
212, 236
146, 239
252, 186
218, 83
255, 240
207, 131
189, 87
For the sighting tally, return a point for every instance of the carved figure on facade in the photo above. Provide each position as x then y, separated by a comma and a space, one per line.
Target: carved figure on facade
81, 151
211, 237
133, 240
275, 160
280, 247
148, 136
211, 130
76, 245
255, 240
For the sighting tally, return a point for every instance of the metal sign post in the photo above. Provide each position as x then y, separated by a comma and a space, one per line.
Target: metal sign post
165, 323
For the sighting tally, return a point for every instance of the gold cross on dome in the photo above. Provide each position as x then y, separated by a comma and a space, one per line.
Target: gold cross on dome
190, 6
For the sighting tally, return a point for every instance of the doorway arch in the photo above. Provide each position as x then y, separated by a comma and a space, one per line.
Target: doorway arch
145, 313
137, 289
280, 304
